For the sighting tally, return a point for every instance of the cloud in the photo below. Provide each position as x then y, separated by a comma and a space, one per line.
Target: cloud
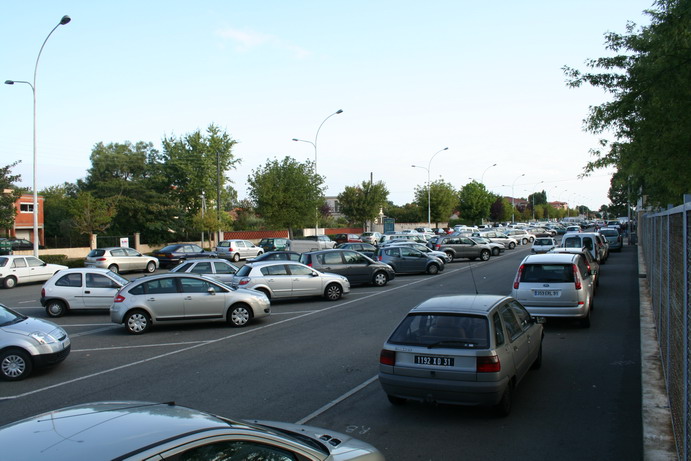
247, 40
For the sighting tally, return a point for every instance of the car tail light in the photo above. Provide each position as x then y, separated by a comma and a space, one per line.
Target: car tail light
380, 258
43, 292
437, 247
100, 259
118, 298
488, 364
387, 357
244, 281
517, 282
577, 277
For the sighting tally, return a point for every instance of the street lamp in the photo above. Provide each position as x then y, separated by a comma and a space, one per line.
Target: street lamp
482, 178
513, 200
64, 20
429, 186
314, 144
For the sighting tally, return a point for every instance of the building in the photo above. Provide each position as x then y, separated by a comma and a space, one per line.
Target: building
24, 219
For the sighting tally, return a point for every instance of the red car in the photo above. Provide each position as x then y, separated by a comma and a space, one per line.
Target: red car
346, 238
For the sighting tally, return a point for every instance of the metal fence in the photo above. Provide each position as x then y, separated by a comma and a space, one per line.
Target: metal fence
665, 239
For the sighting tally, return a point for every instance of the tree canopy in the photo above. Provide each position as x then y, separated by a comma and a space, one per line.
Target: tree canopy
362, 203
475, 202
443, 199
7, 209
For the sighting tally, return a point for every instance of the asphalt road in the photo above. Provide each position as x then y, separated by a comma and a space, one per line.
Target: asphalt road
316, 362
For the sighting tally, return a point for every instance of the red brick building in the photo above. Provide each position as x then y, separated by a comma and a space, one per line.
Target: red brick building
24, 219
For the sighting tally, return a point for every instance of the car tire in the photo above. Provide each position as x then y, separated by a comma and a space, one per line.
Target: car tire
395, 400
433, 269
495, 251
151, 267
239, 315
113, 268
512, 245
380, 279
450, 255
10, 282
524, 241
15, 364
537, 364
485, 255
503, 408
56, 308
137, 322
333, 292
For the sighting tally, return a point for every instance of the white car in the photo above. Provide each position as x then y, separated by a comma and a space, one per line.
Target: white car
80, 288
16, 269
543, 245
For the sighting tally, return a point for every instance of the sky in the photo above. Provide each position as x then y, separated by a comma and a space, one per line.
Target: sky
484, 79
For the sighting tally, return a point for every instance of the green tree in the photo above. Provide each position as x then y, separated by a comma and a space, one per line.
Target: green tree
443, 199
362, 203
500, 209
7, 200
57, 212
410, 212
286, 193
91, 215
649, 79
475, 202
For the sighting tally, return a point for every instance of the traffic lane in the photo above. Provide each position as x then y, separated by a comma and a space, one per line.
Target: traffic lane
584, 403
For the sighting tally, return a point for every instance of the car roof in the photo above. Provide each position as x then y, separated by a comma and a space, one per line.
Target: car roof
273, 263
112, 248
547, 258
84, 269
465, 304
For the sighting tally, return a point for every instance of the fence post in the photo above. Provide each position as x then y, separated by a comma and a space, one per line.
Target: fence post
93, 241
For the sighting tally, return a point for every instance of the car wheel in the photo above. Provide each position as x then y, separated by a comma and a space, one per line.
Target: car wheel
333, 292
433, 269
10, 282
450, 255
484, 255
524, 241
239, 315
236, 257
512, 245
55, 308
113, 268
151, 267
503, 408
137, 322
537, 364
395, 400
380, 279
15, 364
495, 251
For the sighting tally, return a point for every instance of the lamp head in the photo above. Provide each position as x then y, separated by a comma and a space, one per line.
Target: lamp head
65, 19
446, 148
339, 111
9, 82
295, 139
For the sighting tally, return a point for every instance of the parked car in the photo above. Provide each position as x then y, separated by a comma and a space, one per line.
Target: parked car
542, 232
543, 245
362, 247
400, 236
120, 259
573, 229
21, 244
370, 237
593, 241
324, 240
355, 266
403, 259
16, 269
274, 244
80, 288
27, 343
276, 256
498, 237
463, 350
174, 254
613, 238
127, 430
312, 243
237, 249
462, 247
496, 248
218, 269
522, 236
422, 247
280, 280
593, 265
173, 298
556, 285
345, 238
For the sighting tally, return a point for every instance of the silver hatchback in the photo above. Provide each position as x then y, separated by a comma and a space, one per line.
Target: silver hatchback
120, 259
463, 350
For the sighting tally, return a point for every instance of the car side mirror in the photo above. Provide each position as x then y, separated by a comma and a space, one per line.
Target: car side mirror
314, 274
211, 291
539, 320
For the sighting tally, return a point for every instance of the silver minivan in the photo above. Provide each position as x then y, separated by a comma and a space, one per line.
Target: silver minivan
556, 285
592, 241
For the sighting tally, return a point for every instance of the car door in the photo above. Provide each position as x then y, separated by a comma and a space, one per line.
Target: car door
135, 260
518, 344
38, 270
223, 271
304, 282
163, 299
99, 291
331, 261
357, 268
466, 248
413, 260
278, 279
202, 299
20, 269
120, 258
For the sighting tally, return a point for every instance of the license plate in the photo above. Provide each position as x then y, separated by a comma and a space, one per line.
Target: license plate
437, 361
546, 293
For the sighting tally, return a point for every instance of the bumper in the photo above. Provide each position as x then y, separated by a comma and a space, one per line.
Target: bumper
44, 360
577, 312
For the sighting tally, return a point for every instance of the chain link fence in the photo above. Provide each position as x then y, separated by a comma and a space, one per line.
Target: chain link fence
665, 239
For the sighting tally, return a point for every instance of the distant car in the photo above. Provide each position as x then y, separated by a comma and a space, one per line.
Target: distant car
542, 232
593, 265
172, 255
613, 238
495, 247
237, 249
407, 260
128, 430
274, 244
80, 288
345, 238
422, 247
276, 256
370, 237
573, 229
543, 245
173, 298
463, 350
16, 269
498, 237
462, 247
311, 243
120, 259
361, 247
355, 266
280, 280
214, 268
19, 244
27, 343
523, 237
593, 241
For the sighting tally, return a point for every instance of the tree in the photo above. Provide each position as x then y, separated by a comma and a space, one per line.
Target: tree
58, 214
475, 202
7, 200
410, 212
362, 203
649, 79
286, 193
500, 209
91, 215
443, 198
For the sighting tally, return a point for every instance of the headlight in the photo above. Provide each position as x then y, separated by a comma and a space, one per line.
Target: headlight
42, 338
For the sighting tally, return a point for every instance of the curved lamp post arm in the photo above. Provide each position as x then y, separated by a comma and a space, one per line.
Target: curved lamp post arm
316, 136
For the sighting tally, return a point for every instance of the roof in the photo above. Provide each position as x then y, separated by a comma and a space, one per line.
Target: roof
547, 258
469, 304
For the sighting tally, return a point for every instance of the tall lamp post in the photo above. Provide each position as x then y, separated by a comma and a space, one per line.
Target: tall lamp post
482, 178
513, 199
64, 20
429, 186
314, 144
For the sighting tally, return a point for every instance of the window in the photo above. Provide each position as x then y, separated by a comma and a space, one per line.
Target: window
299, 270
202, 268
498, 330
279, 269
223, 268
194, 285
331, 258
161, 286
131, 252
98, 281
510, 321
521, 314
34, 262
459, 331
352, 257
69, 280
117, 252
26, 207
235, 450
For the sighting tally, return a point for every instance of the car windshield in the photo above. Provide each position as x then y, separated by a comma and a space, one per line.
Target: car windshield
9, 317
458, 331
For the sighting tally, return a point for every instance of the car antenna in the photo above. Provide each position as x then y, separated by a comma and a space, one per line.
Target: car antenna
472, 275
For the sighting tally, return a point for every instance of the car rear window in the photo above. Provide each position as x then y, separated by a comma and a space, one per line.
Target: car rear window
442, 330
609, 232
549, 273
96, 253
244, 271
573, 242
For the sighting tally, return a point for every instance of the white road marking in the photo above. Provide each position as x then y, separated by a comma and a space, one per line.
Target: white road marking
340, 399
